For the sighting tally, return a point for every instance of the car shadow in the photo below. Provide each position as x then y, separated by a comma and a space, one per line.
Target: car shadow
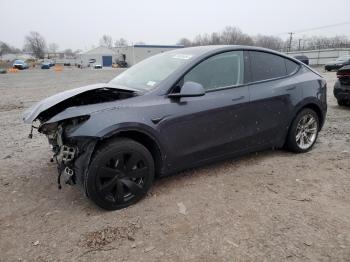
212, 168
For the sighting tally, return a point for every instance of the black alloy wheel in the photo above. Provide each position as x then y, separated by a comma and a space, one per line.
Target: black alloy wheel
120, 174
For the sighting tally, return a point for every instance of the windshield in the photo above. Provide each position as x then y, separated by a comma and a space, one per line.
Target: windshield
147, 74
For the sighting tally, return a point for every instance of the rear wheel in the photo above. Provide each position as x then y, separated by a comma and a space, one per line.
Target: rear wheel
303, 131
120, 174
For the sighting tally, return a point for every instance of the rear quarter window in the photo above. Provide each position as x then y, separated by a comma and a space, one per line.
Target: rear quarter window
266, 66
291, 66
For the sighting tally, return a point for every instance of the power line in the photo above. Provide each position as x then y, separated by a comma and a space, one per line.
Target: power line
316, 28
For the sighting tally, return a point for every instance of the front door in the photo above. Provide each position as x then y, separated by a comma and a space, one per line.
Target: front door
201, 128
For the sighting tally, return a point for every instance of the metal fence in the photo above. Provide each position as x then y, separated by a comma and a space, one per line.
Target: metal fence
321, 56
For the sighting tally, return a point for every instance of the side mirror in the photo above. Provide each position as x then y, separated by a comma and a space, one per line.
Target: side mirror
189, 89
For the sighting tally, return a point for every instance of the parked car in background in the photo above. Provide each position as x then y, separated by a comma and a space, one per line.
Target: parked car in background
302, 58
45, 65
177, 110
342, 86
122, 64
98, 66
338, 63
20, 64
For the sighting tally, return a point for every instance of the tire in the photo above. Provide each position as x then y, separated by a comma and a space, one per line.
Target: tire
120, 174
341, 102
302, 137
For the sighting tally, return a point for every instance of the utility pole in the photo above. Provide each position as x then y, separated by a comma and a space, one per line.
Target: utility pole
299, 44
290, 41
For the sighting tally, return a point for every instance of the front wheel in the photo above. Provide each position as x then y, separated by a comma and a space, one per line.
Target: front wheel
120, 174
303, 131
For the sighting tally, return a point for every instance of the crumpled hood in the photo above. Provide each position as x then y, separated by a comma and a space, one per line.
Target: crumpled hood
33, 112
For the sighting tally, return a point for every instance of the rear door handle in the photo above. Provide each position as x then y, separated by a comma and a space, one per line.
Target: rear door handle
237, 98
291, 88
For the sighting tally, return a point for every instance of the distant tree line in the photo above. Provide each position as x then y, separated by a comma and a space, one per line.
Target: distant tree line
107, 41
35, 44
7, 49
234, 36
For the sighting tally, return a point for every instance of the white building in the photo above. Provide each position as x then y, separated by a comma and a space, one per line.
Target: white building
130, 54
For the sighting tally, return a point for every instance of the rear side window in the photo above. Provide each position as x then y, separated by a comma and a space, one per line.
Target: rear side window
222, 70
266, 66
291, 66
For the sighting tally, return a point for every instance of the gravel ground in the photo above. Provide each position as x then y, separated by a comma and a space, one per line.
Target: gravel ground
270, 206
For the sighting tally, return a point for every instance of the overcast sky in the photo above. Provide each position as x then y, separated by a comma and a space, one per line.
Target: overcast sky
79, 24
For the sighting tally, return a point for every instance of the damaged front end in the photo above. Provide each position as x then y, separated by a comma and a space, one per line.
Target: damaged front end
72, 155
59, 116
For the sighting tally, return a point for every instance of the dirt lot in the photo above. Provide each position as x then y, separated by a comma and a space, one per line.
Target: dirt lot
271, 206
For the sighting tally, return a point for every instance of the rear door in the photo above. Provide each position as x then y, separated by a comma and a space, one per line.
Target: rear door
273, 93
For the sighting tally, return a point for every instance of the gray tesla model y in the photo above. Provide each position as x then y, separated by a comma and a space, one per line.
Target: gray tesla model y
177, 110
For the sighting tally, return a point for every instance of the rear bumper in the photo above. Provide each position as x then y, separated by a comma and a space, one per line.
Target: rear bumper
341, 91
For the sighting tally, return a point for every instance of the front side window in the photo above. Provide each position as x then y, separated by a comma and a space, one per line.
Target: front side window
223, 70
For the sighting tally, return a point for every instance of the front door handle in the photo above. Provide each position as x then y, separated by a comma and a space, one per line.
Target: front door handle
291, 88
237, 98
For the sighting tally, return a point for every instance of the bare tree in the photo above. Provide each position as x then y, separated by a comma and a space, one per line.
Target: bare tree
234, 36
36, 44
185, 42
271, 42
120, 42
69, 53
106, 41
4, 48
215, 39
53, 47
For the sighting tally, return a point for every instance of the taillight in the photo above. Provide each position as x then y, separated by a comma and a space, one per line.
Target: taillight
343, 72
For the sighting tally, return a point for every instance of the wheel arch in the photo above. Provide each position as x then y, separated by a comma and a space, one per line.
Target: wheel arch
311, 105
141, 136
316, 108
318, 111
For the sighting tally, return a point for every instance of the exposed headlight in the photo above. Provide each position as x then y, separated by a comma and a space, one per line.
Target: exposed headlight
48, 129
69, 125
